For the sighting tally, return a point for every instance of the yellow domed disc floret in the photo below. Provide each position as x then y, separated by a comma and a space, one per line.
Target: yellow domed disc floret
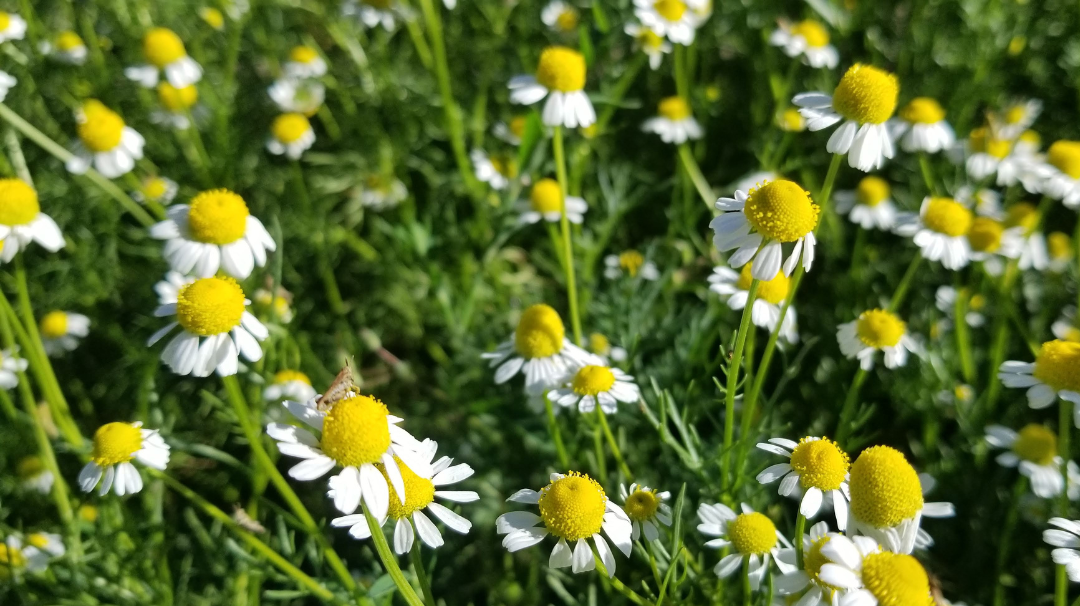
11, 559
210, 306
631, 261
1022, 214
356, 431
896, 580
982, 140
561, 69
814, 560
573, 506
115, 443
872, 191
792, 121
177, 99
922, 110
781, 210
1058, 365
592, 380
54, 325
1036, 443
18, 202
599, 344
879, 328
154, 188
68, 41
674, 108
286, 376
1065, 156
752, 533
885, 489
814, 33
162, 46
947, 216
546, 196
218, 216
820, 464
303, 54
985, 234
567, 20
540, 332
649, 40
866, 94
290, 128
99, 128
419, 492
671, 10
773, 291
642, 505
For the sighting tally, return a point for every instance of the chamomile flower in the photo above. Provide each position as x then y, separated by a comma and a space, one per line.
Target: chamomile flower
380, 192
600, 346
65, 47
538, 347
115, 446
945, 298
357, 433
1061, 173
105, 142
672, 19
921, 127
791, 121
809, 578
12, 27
215, 231
818, 466
595, 383
212, 17
984, 201
751, 536
546, 202
1060, 249
560, 77
886, 499
511, 131
156, 189
168, 288
305, 62
940, 231
864, 100
216, 329
7, 82
1033, 451
1022, 219
33, 475
372, 13
61, 331
1066, 538
289, 385
874, 330
560, 16
632, 263
421, 490
870, 205
177, 105
757, 223
864, 575
770, 298
165, 52
1066, 327
495, 170
50, 543
573, 508
675, 122
807, 38
290, 134
277, 303
17, 559
10, 364
1016, 117
301, 96
987, 152
646, 509
1054, 374
649, 42
22, 222
991, 241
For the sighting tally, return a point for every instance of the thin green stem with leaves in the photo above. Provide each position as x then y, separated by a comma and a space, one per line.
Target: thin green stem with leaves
612, 444
421, 573
564, 224
556, 435
692, 169
733, 383
389, 561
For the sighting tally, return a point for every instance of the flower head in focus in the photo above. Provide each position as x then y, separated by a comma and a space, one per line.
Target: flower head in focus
115, 446
105, 141
560, 77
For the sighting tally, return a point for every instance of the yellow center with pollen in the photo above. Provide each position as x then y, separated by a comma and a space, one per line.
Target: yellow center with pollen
1065, 156
879, 328
68, 41
982, 140
154, 188
115, 443
99, 128
567, 20
5, 21
947, 216
290, 128
872, 191
546, 197
922, 110
419, 492
210, 306
162, 46
782, 211
599, 344
54, 325
561, 69
540, 332
866, 94
177, 99
573, 507
287, 376
38, 540
814, 560
631, 261
303, 54
885, 489
814, 33
10, 559
217, 216
1022, 214
1058, 365
896, 580
820, 464
356, 431
985, 234
18, 202
670, 10
752, 533
1036, 443
674, 108
592, 380
641, 505
773, 291
29, 467
792, 121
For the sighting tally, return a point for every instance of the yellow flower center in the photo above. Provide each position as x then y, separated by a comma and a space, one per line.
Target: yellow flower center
631, 261
866, 94
922, 110
286, 376
1036, 443
10, 559
820, 464
154, 188
781, 210
977, 302
985, 234
814, 560
1032, 138
1016, 45
38, 540
115, 443
217, 216
303, 54
561, 69
88, 513
1065, 156
774, 291
964, 393
873, 191
5, 21
517, 126
641, 505
752, 533
792, 121
814, 33
546, 196
29, 467
1072, 334
540, 332
592, 380
68, 41
650, 40
1015, 114
177, 99
567, 20
100, 128
885, 489
356, 431
1058, 365
419, 492
212, 17
896, 580
671, 10
54, 325
879, 328
982, 140
573, 506
210, 306
18, 202
1059, 245
504, 165
947, 216
289, 128
599, 344
162, 46
1023, 215
674, 108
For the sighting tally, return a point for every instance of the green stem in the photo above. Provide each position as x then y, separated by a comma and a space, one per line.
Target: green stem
681, 81
612, 444
748, 595
1065, 422
963, 337
927, 173
556, 435
598, 451
8, 406
800, 530
421, 573
1061, 587
616, 584
843, 425
564, 223
733, 381
619, 91
905, 284
694, 172
1005, 542
826, 191
389, 561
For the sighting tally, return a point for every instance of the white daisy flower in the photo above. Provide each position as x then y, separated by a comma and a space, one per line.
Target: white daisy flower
216, 329
49, 543
512, 131
1054, 374
675, 124
178, 105
574, 508
751, 536
1025, 240
301, 96
560, 16
289, 385
380, 192
864, 575
1060, 174
12, 27
649, 42
22, 222
305, 62
735, 286
921, 127
1066, 538
1016, 118
290, 134
61, 331
546, 202
372, 13
10, 365
818, 593
105, 141
277, 304
940, 231
602, 347
115, 446
215, 231
421, 490
156, 189
874, 330
17, 559
632, 263
809, 39
757, 223
985, 201
165, 52
945, 299
988, 153
818, 466
497, 171
870, 205
864, 100
1033, 451
791, 121
672, 19
1066, 327
887, 499
538, 347
596, 383
33, 475
560, 77
646, 509
65, 47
